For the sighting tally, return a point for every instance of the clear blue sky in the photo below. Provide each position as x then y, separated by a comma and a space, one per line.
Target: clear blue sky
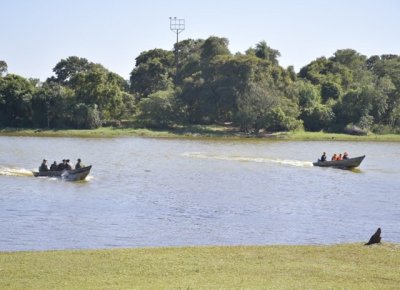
36, 34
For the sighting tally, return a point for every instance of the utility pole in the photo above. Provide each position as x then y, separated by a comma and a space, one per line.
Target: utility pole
176, 25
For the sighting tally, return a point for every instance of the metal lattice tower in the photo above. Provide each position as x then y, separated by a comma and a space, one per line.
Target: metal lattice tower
177, 26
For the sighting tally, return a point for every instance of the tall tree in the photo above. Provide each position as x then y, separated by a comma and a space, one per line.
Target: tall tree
15, 101
387, 70
265, 52
190, 56
212, 47
154, 72
101, 88
254, 104
3, 67
350, 58
53, 106
66, 69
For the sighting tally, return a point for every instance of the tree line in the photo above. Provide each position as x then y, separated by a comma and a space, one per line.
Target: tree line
210, 85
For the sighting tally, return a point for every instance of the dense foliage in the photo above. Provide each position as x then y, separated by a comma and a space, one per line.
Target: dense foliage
347, 92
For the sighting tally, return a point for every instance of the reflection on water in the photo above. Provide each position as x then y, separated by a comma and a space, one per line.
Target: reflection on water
151, 192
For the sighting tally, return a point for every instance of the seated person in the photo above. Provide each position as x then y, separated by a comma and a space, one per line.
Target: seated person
43, 166
345, 155
79, 164
61, 166
53, 166
67, 165
323, 157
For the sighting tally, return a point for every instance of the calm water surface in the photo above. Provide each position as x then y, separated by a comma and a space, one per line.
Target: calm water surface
151, 192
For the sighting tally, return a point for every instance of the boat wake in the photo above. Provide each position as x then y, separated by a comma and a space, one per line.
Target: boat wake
201, 155
6, 171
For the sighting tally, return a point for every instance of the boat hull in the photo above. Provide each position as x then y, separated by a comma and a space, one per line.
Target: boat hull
70, 175
345, 163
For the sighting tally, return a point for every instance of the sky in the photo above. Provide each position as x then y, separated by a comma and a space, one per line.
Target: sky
36, 34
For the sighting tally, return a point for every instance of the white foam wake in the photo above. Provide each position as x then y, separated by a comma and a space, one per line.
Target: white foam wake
7, 171
201, 155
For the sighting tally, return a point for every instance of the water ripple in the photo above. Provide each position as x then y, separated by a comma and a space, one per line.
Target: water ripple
151, 192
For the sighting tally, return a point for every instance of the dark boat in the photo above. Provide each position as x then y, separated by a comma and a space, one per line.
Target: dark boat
70, 175
345, 163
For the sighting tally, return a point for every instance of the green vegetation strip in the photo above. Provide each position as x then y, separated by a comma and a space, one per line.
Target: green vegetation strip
197, 132
349, 266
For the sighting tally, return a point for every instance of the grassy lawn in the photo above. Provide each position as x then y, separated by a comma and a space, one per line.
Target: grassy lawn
197, 131
349, 266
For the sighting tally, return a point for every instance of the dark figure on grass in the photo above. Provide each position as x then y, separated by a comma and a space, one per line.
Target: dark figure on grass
376, 238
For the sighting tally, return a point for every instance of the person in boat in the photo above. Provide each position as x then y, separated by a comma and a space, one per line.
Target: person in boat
67, 165
323, 157
345, 155
340, 157
61, 166
43, 166
79, 164
334, 157
53, 166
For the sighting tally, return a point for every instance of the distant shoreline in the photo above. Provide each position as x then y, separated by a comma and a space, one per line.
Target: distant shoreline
197, 132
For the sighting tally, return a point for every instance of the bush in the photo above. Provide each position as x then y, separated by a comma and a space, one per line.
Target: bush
86, 117
318, 118
277, 120
384, 129
157, 111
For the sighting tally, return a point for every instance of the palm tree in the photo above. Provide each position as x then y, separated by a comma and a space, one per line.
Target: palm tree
263, 51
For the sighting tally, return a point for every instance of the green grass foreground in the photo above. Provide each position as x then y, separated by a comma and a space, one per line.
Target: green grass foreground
348, 266
196, 132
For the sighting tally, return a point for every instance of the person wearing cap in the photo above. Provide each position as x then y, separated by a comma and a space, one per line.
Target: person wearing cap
43, 166
79, 164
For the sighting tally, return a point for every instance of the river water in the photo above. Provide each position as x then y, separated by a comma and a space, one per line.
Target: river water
145, 192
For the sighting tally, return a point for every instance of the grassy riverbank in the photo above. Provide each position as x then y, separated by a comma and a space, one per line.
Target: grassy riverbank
196, 132
350, 266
